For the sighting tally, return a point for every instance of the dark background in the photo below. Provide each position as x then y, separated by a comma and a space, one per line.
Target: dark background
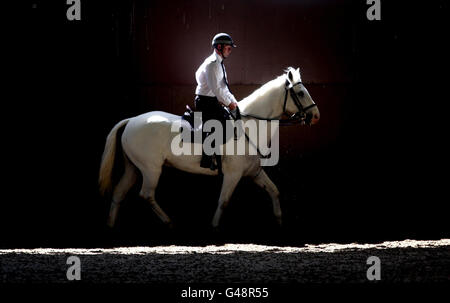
374, 168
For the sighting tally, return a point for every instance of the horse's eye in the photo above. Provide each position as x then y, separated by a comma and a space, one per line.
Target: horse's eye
301, 93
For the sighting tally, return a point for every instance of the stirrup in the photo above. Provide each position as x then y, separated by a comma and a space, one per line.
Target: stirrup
213, 163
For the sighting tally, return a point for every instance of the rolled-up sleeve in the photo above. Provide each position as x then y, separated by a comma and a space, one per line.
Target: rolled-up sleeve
214, 78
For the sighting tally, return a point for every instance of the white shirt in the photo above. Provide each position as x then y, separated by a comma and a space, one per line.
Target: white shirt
211, 81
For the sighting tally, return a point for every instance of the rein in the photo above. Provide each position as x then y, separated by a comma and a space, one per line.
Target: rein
300, 117
238, 117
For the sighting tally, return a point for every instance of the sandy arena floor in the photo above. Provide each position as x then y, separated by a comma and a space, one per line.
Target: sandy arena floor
401, 261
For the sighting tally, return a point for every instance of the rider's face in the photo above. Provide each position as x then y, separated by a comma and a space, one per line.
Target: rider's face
227, 50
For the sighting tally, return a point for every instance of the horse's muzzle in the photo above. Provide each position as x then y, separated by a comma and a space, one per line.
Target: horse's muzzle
315, 118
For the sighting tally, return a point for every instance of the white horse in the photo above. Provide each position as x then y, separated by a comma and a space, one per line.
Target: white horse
146, 142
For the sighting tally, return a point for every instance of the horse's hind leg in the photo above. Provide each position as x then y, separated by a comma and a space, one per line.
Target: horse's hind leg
264, 181
122, 188
149, 184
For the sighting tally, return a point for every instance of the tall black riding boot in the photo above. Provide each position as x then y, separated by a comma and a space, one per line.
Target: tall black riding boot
206, 161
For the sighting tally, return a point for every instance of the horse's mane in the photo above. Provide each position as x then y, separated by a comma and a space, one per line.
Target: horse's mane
269, 86
265, 88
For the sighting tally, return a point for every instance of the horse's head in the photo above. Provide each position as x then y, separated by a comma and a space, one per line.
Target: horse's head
298, 101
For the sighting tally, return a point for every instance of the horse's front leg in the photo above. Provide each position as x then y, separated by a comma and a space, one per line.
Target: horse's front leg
229, 184
264, 181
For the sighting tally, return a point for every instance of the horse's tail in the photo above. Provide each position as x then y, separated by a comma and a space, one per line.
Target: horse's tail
106, 166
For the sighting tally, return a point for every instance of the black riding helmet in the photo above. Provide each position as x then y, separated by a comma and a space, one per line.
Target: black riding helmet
222, 38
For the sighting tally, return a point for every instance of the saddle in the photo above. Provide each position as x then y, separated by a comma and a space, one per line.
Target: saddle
195, 132
195, 135
189, 117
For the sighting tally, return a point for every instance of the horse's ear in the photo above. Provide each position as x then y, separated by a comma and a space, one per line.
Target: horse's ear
290, 75
298, 70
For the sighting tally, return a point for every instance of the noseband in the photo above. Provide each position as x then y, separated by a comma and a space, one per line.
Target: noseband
302, 116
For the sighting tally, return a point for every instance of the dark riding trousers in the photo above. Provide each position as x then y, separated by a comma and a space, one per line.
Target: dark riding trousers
211, 108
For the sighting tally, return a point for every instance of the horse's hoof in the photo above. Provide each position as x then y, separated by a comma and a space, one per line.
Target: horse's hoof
109, 224
170, 225
279, 222
215, 229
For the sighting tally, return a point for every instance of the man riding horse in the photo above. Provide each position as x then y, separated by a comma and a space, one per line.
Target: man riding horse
213, 92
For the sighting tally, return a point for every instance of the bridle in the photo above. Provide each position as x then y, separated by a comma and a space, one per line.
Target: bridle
303, 116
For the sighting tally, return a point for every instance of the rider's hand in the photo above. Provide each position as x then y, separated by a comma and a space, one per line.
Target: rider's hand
232, 106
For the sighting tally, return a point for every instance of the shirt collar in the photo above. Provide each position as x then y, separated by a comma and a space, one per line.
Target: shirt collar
218, 57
